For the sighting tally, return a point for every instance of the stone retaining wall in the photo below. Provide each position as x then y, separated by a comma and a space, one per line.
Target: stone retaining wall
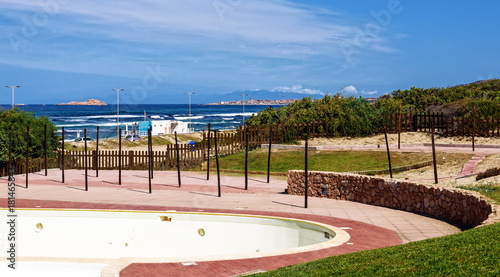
456, 205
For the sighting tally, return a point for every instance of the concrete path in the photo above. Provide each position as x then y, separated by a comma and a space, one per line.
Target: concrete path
198, 194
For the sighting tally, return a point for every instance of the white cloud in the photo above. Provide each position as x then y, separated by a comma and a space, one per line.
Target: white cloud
350, 90
297, 89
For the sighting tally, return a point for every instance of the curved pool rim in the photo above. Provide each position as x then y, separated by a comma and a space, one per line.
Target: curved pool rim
116, 264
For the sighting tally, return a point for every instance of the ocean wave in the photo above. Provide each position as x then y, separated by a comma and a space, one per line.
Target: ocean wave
86, 125
187, 117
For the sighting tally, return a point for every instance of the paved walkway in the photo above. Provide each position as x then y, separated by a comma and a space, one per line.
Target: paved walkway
198, 194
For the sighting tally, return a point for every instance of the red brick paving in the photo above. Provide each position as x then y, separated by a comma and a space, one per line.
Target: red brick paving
363, 237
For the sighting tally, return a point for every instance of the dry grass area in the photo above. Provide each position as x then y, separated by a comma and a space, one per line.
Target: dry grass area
408, 137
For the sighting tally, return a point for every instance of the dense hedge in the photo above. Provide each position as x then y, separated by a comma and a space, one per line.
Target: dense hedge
18, 120
348, 116
351, 116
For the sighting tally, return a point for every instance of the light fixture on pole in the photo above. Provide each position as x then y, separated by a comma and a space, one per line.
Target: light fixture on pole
189, 93
243, 102
13, 93
117, 110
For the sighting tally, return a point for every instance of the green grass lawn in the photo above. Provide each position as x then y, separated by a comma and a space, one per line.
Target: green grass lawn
474, 252
490, 190
337, 161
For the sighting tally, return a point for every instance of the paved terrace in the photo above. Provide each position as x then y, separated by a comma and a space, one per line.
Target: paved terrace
369, 226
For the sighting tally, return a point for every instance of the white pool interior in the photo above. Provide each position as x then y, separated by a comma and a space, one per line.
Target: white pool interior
76, 235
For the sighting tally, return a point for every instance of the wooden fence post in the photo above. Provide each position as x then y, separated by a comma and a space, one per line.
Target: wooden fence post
120, 156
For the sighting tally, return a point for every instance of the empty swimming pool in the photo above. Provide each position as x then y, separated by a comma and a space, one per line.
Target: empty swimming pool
75, 235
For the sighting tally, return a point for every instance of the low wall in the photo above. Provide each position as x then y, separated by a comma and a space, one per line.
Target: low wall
456, 205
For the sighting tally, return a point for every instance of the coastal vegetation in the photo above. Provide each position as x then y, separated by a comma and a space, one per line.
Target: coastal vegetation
356, 117
18, 120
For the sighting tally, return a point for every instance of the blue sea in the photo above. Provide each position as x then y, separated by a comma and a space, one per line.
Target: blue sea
75, 119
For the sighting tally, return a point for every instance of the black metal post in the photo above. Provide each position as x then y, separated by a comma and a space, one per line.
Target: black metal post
217, 162
27, 153
45, 150
120, 156
97, 154
151, 156
269, 154
246, 159
149, 159
388, 151
86, 175
10, 147
208, 153
399, 128
62, 156
306, 183
434, 154
178, 162
473, 128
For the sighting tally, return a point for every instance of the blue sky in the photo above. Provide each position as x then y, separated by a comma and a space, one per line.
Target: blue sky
64, 50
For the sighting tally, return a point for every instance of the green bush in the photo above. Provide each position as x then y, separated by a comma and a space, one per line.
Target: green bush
18, 120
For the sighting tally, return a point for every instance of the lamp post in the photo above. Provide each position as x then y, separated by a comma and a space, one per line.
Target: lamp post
189, 93
117, 110
13, 93
243, 102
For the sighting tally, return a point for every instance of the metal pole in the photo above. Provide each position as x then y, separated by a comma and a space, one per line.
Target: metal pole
217, 162
306, 183
13, 93
434, 154
243, 107
149, 160
97, 154
178, 162
86, 175
119, 156
45, 150
10, 153
399, 128
388, 151
151, 156
269, 153
62, 155
473, 128
208, 154
246, 159
117, 108
189, 95
27, 153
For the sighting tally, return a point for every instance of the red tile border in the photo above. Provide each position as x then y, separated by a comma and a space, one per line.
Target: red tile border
363, 237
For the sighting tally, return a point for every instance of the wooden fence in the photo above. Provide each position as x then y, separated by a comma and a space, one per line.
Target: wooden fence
445, 125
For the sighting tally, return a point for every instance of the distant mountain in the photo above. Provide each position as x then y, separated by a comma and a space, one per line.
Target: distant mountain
255, 94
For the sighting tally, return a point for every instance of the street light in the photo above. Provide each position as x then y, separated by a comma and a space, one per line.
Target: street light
117, 110
243, 107
189, 93
13, 93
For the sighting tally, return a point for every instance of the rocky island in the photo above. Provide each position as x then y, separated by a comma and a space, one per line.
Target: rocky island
89, 102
